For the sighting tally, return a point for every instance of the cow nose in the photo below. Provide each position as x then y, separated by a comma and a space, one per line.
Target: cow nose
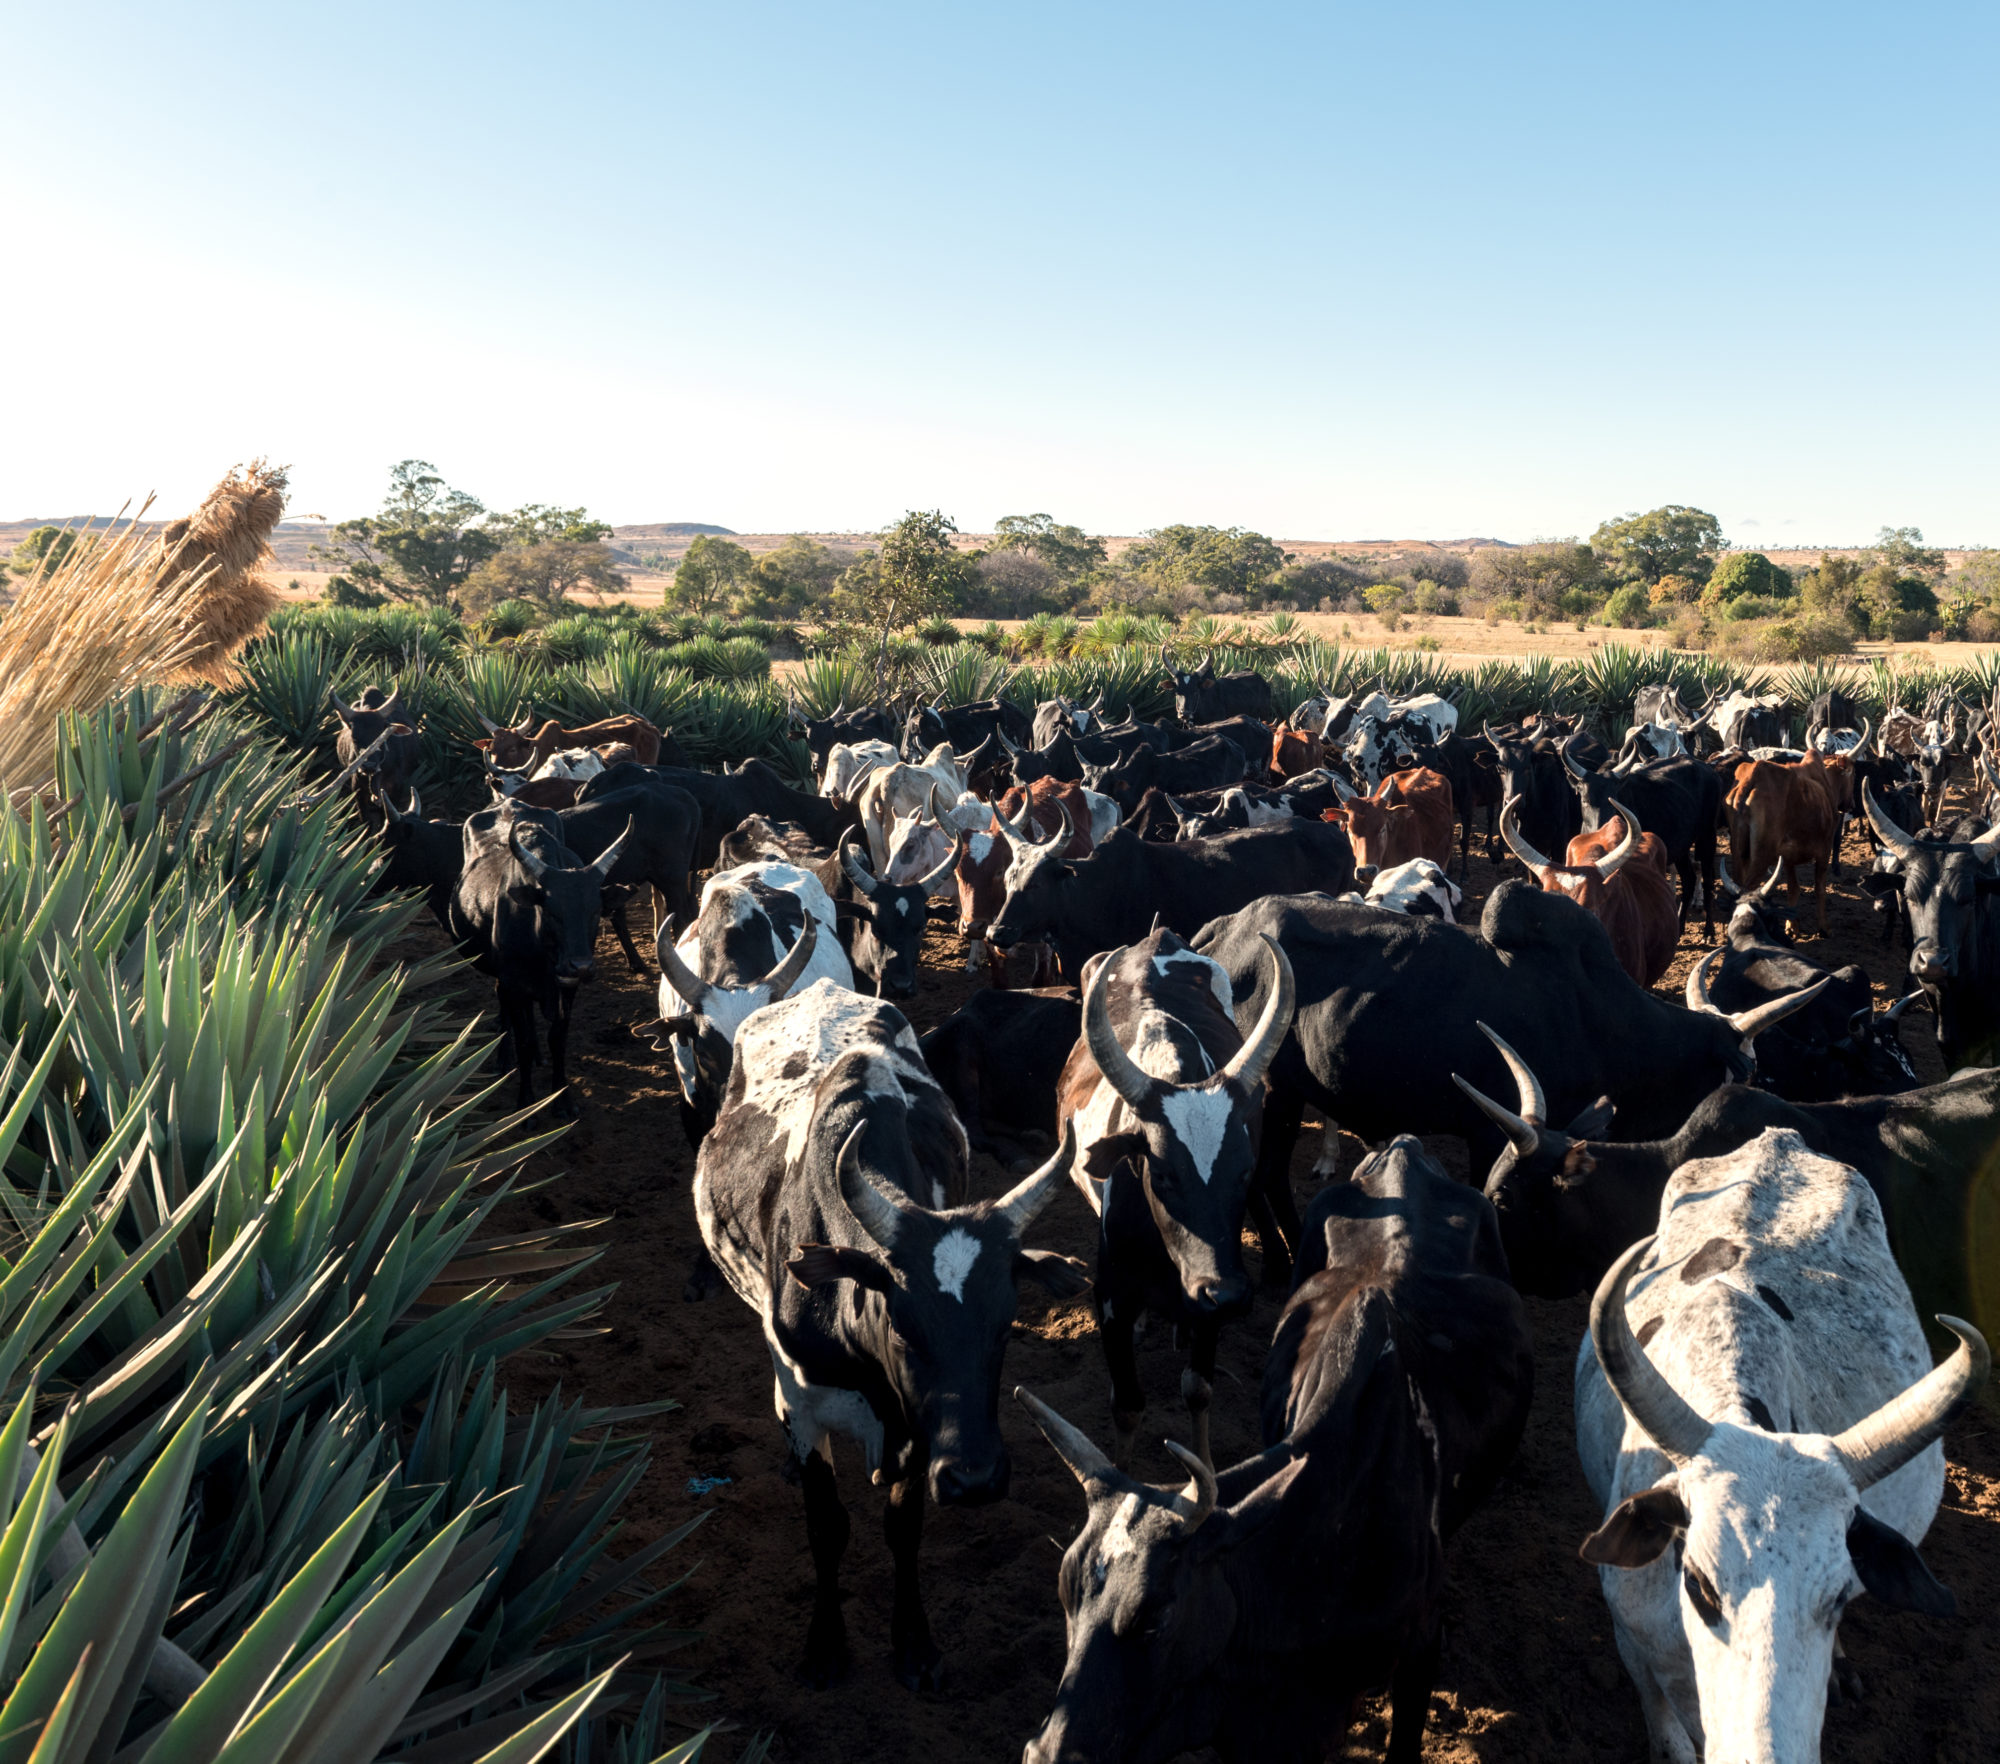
1221, 1294
576, 972
955, 1483
1002, 936
1928, 962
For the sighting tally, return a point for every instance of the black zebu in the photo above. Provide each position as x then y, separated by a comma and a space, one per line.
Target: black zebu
389, 767
832, 1194
1250, 1609
1203, 696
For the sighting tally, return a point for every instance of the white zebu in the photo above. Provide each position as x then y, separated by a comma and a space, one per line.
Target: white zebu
849, 762
1764, 1446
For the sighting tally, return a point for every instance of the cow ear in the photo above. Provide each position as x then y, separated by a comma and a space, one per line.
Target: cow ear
1880, 882
1638, 1530
1893, 1571
1063, 1277
820, 1264
1256, 1509
1594, 1122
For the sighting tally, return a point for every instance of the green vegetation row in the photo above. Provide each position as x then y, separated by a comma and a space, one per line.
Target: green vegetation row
263, 1494
455, 678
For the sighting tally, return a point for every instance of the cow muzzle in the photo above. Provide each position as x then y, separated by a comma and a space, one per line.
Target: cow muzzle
955, 1482
1928, 962
574, 974
1220, 1295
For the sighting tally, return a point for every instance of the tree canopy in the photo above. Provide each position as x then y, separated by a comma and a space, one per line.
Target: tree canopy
798, 575
918, 574
420, 547
713, 569
1670, 540
52, 544
537, 523
1222, 559
1069, 551
547, 572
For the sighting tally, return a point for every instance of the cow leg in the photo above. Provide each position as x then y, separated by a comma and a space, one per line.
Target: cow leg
1272, 1209
517, 1011
919, 1661
826, 1536
624, 935
1116, 1324
1410, 1697
564, 1107
1819, 891
1684, 868
1197, 1386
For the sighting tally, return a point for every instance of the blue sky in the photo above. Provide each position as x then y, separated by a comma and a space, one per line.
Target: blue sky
1325, 271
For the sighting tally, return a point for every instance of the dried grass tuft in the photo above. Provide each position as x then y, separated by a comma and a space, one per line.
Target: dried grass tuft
218, 555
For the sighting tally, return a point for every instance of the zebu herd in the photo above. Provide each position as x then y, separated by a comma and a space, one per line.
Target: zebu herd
1757, 1412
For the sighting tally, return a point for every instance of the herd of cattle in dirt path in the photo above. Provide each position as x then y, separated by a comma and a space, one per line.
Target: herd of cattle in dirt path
1196, 932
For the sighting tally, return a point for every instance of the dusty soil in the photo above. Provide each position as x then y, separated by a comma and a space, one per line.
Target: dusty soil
1529, 1671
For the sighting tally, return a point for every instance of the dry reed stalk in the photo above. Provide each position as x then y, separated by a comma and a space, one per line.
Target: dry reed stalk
219, 553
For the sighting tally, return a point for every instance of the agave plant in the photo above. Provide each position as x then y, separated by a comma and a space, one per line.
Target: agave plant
823, 683
964, 674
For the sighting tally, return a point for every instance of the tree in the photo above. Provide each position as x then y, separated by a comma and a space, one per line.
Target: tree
917, 575
797, 576
536, 523
1069, 551
1904, 548
50, 543
1220, 559
547, 573
710, 572
422, 545
1672, 540
1748, 572
1554, 577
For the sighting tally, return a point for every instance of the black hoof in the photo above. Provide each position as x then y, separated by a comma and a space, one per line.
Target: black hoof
920, 1669
826, 1663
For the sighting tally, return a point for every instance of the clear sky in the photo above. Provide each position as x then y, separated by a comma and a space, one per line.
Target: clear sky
1338, 271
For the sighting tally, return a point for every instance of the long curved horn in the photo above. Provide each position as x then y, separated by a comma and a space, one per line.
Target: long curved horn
527, 859
1615, 860
932, 878
1894, 1013
1696, 991
1886, 830
1341, 788
1071, 1443
1532, 1102
785, 975
1665, 1416
855, 873
1059, 840
1880, 1444
1511, 833
1195, 1502
1019, 1205
1569, 761
342, 709
1752, 1023
876, 1211
693, 989
1120, 1070
1253, 1059
489, 725
1723, 877
607, 860
1764, 889
1521, 1135
1013, 752
415, 812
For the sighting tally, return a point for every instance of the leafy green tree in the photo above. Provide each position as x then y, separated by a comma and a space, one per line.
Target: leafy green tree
1899, 606
1226, 560
1069, 551
1671, 540
537, 523
1556, 576
547, 573
919, 574
1904, 548
50, 543
422, 545
713, 569
1747, 572
795, 577
1978, 578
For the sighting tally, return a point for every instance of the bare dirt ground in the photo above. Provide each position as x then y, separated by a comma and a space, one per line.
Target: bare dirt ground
1529, 1673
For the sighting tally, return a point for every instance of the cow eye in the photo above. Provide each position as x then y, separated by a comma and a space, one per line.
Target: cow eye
1703, 1596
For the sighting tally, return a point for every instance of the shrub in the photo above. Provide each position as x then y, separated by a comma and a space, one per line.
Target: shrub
1747, 572
1982, 625
1751, 606
1434, 597
1631, 607
511, 618
1383, 597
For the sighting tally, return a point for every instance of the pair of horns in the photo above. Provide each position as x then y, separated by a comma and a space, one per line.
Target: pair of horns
869, 885
347, 773
1751, 1023
1022, 832
539, 867
1191, 1505
694, 990
884, 1211
1246, 1066
1986, 847
1876, 1446
1607, 866
393, 710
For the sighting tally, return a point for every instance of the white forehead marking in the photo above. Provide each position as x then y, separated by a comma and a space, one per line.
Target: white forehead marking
952, 1260
1217, 976
903, 908
1199, 1119
1118, 1539
979, 845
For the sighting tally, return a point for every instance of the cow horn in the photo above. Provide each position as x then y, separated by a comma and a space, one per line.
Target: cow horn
1987, 846
1894, 1013
527, 859
1120, 1070
346, 773
1861, 743
1058, 840
1615, 860
1486, 734
1886, 830
1511, 833
1521, 1135
1880, 1444
1763, 890
1022, 832
607, 860
785, 975
1019, 1205
1663, 1414
1569, 761
878, 1213
1723, 876
691, 987
1195, 1502
855, 873
488, 724
1531, 1100
1071, 1443
933, 878
1253, 1059
1013, 752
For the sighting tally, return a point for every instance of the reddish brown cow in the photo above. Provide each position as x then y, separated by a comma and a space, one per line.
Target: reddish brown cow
1622, 875
1409, 816
982, 873
1788, 814
523, 749
541, 793
1295, 751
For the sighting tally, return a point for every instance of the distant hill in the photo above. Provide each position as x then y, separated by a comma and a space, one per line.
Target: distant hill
671, 530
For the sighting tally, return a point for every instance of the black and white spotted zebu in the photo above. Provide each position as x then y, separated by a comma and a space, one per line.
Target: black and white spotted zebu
1759, 1420
832, 1194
